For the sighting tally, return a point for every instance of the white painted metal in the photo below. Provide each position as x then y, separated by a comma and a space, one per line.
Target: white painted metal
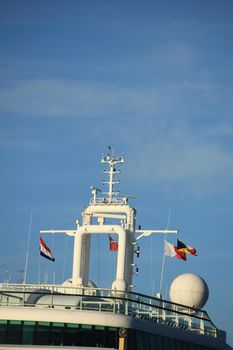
95, 220
189, 289
146, 233
100, 229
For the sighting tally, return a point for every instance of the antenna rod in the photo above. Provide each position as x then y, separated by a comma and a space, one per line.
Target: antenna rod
29, 236
163, 261
111, 161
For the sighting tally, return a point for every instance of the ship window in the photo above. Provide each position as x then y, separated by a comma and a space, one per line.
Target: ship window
42, 333
28, 332
85, 336
30, 323
99, 327
14, 332
14, 322
43, 324
132, 343
186, 346
173, 344
166, 343
139, 341
152, 341
72, 325
86, 326
3, 329
98, 336
70, 333
58, 324
145, 341
182, 345
56, 334
111, 338
159, 343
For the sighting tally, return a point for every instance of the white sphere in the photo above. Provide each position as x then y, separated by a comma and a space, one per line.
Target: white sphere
190, 290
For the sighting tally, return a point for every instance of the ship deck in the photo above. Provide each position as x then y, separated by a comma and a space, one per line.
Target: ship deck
132, 304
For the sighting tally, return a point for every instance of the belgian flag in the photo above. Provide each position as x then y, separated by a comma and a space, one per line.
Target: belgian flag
182, 247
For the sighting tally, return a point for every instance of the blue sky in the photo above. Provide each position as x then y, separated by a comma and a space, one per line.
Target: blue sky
154, 80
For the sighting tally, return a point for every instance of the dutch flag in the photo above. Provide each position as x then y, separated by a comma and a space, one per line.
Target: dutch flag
45, 251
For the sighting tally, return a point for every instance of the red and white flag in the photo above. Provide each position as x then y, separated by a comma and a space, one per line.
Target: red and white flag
172, 251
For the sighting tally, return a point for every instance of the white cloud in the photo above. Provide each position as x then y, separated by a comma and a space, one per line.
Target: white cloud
54, 98
65, 98
224, 129
184, 159
168, 132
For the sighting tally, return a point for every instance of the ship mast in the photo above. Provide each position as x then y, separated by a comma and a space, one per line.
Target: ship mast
107, 215
111, 161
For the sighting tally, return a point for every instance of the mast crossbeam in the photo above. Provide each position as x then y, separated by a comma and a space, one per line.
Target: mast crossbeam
146, 233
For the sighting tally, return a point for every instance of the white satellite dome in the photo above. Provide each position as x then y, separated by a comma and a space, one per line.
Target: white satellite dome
189, 289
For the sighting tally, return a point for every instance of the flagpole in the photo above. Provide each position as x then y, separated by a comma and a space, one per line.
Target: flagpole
27, 255
163, 260
64, 262
39, 269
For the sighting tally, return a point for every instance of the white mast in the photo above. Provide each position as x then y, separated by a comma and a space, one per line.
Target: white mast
112, 161
97, 219
28, 246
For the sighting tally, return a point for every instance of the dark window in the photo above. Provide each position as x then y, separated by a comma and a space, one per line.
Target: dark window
56, 333
159, 343
98, 336
186, 346
132, 340
85, 336
139, 341
42, 333
28, 332
111, 338
70, 334
153, 341
14, 332
3, 329
145, 341
173, 344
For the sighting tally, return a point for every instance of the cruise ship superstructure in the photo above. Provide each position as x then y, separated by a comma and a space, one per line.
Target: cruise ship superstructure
80, 314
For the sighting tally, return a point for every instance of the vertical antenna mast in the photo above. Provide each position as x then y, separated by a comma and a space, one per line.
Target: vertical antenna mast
28, 246
111, 160
163, 261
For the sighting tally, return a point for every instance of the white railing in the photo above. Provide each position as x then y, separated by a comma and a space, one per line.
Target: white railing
107, 300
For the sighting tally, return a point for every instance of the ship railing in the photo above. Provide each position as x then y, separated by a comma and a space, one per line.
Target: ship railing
114, 200
107, 300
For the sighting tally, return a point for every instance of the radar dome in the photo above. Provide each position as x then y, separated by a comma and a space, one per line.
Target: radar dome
189, 289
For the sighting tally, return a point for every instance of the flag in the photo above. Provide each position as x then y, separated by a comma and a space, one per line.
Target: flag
172, 251
169, 249
45, 251
113, 245
180, 255
182, 247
